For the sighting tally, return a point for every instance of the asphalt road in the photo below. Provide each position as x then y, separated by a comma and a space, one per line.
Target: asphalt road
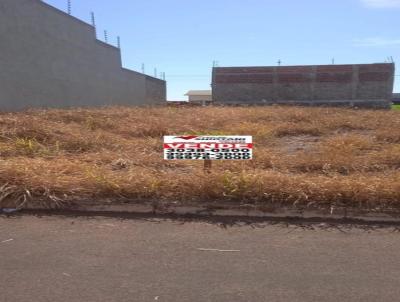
108, 259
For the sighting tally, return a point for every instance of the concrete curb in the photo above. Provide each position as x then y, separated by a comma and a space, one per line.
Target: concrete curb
222, 210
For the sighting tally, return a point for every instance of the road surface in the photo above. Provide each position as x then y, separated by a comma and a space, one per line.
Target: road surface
108, 259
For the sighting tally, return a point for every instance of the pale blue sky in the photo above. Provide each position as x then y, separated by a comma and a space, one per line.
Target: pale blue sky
183, 37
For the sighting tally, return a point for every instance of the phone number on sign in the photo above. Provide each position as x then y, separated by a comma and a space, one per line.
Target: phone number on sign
239, 154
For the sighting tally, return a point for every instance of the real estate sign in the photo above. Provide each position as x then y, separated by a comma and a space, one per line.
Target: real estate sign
194, 147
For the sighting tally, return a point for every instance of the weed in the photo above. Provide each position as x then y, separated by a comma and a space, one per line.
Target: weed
302, 156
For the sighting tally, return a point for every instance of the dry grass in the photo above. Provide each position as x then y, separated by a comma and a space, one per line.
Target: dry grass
303, 156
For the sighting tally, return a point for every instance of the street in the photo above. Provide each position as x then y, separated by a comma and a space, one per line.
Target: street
57, 258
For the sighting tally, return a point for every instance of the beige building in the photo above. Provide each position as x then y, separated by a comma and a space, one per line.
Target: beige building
199, 97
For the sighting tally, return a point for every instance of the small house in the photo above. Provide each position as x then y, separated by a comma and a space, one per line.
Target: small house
199, 97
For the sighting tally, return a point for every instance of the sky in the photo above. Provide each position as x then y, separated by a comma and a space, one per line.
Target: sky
184, 37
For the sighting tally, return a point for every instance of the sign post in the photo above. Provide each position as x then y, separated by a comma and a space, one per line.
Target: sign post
207, 165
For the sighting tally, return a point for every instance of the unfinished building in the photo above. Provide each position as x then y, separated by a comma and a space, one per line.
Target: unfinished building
51, 59
363, 85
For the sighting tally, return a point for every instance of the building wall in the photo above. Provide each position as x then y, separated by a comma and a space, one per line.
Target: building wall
155, 93
365, 85
199, 98
50, 59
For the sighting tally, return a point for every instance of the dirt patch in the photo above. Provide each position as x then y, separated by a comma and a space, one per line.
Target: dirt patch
294, 144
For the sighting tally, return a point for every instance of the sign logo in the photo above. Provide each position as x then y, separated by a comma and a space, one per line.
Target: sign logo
187, 137
192, 147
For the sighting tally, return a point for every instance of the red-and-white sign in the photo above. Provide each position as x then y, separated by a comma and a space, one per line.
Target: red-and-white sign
208, 147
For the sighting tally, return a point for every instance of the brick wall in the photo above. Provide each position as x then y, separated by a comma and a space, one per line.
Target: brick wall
364, 85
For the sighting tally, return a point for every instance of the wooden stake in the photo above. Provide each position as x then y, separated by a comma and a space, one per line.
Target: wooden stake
207, 165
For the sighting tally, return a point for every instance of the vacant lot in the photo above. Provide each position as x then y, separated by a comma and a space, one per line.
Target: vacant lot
303, 156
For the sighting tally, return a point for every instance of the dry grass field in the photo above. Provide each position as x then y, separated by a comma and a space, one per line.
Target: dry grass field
319, 157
